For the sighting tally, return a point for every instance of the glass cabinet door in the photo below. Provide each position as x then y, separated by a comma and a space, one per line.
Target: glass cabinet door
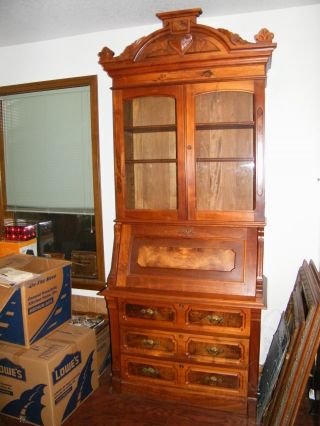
224, 151
150, 149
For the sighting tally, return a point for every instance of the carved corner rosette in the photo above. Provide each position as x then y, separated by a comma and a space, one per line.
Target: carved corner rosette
106, 54
264, 36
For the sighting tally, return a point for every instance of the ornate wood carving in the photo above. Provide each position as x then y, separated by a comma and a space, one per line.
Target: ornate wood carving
181, 36
233, 38
106, 53
115, 253
264, 36
260, 262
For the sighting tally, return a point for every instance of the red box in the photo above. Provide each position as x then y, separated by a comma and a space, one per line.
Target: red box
19, 231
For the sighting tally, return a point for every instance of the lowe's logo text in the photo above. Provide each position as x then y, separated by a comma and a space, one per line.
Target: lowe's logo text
69, 363
9, 369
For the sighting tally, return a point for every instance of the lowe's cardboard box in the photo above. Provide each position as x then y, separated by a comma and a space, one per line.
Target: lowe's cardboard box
44, 384
35, 297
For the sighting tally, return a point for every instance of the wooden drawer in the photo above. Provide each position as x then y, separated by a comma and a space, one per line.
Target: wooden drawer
150, 371
154, 312
149, 342
198, 318
208, 380
217, 350
216, 380
218, 320
184, 347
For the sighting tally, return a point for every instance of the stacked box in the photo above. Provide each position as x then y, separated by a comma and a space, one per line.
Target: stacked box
92, 312
44, 384
56, 365
100, 326
18, 247
36, 306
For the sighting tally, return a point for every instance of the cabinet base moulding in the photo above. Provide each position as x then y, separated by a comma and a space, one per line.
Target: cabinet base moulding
230, 404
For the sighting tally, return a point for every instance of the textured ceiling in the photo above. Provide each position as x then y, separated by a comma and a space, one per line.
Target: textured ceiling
24, 21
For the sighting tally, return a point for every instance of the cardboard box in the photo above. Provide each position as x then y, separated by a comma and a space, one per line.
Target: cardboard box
100, 325
22, 247
43, 385
103, 347
95, 308
35, 307
89, 304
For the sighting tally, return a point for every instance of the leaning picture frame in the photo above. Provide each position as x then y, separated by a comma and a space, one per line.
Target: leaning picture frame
304, 343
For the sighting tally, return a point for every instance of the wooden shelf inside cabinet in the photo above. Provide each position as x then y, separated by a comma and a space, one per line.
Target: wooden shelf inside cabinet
185, 289
151, 160
150, 129
223, 126
231, 159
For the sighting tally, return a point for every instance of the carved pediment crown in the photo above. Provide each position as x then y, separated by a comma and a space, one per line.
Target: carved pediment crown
181, 37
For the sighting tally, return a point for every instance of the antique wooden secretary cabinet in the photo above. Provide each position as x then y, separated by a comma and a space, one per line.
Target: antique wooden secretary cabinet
185, 291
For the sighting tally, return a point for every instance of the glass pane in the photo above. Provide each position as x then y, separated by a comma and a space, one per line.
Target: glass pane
227, 143
215, 107
224, 185
224, 144
150, 153
62, 235
150, 110
151, 186
148, 146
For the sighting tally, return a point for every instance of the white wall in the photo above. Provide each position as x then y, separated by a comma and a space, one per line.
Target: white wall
292, 130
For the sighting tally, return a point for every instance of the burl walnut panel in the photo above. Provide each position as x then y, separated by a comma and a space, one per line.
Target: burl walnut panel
186, 258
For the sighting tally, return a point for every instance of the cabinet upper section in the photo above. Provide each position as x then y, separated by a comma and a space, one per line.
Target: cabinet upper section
200, 51
189, 123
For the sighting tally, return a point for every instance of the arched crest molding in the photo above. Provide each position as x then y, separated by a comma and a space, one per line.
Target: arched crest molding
182, 39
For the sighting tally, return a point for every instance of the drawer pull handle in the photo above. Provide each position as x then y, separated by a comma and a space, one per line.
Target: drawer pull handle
150, 371
214, 319
212, 380
149, 343
149, 312
214, 351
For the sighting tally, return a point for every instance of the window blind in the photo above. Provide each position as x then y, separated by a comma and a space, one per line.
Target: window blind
48, 151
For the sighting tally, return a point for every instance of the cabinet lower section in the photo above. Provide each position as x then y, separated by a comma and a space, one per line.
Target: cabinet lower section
190, 377
203, 354
196, 385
